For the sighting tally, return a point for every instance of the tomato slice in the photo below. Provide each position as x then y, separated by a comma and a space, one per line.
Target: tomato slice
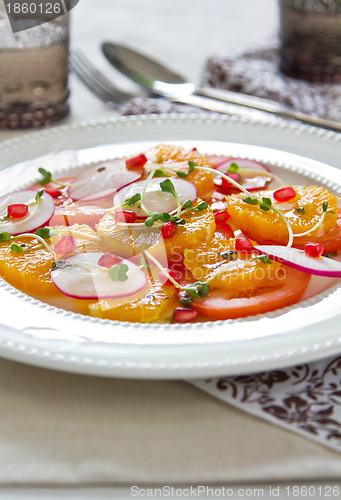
220, 304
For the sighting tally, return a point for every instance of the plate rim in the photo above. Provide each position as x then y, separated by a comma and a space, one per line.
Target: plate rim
148, 369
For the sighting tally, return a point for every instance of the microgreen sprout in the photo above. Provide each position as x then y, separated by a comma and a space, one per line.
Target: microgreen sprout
191, 167
159, 173
320, 222
233, 169
130, 202
266, 205
144, 263
5, 236
18, 248
119, 272
263, 258
47, 177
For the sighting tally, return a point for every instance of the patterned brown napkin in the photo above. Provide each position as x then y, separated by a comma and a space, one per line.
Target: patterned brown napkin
257, 73
305, 399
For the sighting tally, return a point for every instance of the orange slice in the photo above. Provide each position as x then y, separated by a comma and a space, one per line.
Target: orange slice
263, 225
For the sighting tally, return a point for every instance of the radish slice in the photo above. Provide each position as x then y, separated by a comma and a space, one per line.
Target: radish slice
80, 278
35, 218
243, 163
154, 198
103, 180
297, 259
254, 175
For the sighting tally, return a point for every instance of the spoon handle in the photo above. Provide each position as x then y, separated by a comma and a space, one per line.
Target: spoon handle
261, 104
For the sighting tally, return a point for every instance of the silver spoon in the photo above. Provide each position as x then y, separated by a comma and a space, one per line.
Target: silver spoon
159, 79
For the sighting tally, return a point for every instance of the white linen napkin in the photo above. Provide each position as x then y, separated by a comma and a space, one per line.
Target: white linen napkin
67, 429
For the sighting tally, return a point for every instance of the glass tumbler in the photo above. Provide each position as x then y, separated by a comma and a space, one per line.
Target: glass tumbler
310, 35
33, 73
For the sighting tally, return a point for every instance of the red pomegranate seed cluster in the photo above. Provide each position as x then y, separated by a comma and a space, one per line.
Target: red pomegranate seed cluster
55, 193
66, 245
181, 315
108, 260
173, 274
125, 216
17, 210
284, 194
168, 230
222, 216
314, 249
243, 245
235, 176
136, 161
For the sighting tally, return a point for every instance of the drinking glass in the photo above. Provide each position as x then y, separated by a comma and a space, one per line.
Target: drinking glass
310, 34
33, 73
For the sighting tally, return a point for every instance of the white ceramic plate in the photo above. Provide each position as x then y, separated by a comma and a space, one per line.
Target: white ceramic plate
43, 335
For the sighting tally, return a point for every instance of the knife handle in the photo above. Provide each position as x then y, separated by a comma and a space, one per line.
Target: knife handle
265, 105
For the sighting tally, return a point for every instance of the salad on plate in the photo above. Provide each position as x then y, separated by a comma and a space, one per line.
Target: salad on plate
170, 235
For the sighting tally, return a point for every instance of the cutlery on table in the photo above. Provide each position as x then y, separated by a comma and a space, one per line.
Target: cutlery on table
159, 79
98, 83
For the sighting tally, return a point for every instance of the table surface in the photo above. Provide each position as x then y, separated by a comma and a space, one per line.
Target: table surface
183, 33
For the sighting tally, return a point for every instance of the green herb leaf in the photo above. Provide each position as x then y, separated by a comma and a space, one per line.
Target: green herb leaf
149, 221
167, 186
266, 201
100, 169
119, 272
39, 194
325, 206
264, 207
5, 237
251, 201
144, 263
165, 217
202, 206
17, 248
134, 199
233, 169
47, 176
159, 173
263, 258
187, 204
44, 232
156, 216
191, 167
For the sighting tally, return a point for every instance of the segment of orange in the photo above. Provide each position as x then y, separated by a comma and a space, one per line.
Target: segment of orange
199, 227
175, 158
246, 272
124, 240
128, 241
154, 304
302, 212
30, 271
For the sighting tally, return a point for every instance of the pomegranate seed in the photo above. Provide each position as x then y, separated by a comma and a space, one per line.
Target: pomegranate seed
181, 315
243, 245
17, 211
55, 193
125, 216
168, 230
284, 194
66, 244
108, 260
173, 274
314, 249
222, 216
194, 149
136, 161
235, 176
225, 228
